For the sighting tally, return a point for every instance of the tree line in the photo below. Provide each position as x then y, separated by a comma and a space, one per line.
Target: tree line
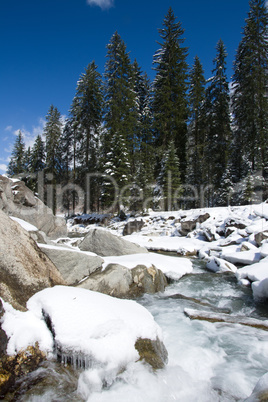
175, 135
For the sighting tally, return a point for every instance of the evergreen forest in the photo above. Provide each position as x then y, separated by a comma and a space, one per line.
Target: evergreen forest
179, 141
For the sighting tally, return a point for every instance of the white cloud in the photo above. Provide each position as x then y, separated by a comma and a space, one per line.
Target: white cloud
103, 4
3, 168
8, 128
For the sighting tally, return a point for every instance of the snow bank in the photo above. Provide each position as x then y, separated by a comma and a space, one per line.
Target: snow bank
95, 325
261, 210
173, 267
260, 289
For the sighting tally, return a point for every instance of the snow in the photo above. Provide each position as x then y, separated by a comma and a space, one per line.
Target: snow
261, 210
95, 325
24, 329
255, 272
172, 267
219, 265
26, 225
180, 245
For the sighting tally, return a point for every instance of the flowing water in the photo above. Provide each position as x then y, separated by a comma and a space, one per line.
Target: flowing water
208, 362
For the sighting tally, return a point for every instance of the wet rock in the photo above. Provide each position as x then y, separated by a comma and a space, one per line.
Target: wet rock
15, 367
103, 243
133, 226
152, 352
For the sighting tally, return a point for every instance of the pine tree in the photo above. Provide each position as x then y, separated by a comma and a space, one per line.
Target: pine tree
86, 113
250, 101
38, 155
218, 124
169, 178
120, 112
16, 165
170, 86
52, 132
196, 132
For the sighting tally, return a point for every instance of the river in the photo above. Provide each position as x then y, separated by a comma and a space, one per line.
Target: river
208, 362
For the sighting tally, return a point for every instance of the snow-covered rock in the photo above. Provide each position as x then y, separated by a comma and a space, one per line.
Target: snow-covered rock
255, 272
260, 289
219, 265
100, 330
172, 267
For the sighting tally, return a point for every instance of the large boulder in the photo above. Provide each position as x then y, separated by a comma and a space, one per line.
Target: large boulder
119, 281
104, 243
18, 200
73, 265
24, 268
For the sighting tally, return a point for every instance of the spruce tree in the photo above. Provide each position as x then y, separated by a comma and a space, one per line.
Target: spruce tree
86, 113
38, 156
218, 124
16, 164
120, 112
169, 178
250, 101
196, 131
170, 87
52, 132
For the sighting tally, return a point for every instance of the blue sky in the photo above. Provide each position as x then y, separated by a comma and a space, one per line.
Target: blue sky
46, 45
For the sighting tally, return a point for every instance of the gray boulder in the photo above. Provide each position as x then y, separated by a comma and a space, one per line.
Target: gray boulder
121, 282
18, 200
73, 265
103, 243
24, 268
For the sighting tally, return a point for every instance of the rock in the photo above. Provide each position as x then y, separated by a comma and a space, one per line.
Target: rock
18, 200
153, 352
260, 391
119, 281
133, 226
103, 243
73, 265
114, 281
259, 237
216, 264
221, 317
24, 268
12, 368
209, 234
3, 336
236, 223
188, 226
